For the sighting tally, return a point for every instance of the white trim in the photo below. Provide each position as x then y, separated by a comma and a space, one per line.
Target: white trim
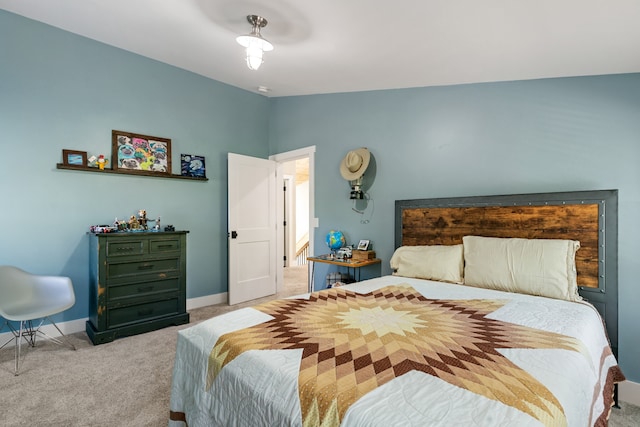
67, 328
207, 301
279, 221
78, 325
293, 154
289, 197
629, 392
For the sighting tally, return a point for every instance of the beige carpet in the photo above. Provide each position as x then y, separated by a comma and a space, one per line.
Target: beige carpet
122, 383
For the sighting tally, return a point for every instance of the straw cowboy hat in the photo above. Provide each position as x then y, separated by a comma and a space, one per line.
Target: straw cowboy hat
354, 164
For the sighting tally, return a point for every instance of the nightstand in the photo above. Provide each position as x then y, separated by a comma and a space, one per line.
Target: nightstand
348, 263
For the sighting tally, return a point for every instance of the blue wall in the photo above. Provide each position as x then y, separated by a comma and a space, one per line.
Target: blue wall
59, 90
481, 139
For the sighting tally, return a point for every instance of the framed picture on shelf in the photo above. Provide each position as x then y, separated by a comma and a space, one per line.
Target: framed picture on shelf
192, 165
363, 245
74, 158
144, 153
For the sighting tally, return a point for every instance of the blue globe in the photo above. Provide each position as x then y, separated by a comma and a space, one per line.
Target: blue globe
335, 240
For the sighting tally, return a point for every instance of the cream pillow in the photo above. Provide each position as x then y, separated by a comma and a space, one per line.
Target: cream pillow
544, 267
442, 263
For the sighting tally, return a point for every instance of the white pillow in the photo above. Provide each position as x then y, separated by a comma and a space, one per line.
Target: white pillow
544, 267
442, 263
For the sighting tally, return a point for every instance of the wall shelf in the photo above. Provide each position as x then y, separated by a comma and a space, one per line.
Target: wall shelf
127, 172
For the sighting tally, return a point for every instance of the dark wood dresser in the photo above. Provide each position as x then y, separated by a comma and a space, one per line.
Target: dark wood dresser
137, 283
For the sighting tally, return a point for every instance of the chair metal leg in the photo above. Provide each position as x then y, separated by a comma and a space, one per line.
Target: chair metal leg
16, 338
29, 333
64, 341
17, 350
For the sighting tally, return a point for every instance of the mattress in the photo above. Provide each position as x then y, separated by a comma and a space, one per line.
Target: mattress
397, 351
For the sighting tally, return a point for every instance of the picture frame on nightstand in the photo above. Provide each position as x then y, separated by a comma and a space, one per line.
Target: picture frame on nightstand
363, 245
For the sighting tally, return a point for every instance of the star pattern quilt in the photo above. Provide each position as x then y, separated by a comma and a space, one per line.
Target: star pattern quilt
397, 351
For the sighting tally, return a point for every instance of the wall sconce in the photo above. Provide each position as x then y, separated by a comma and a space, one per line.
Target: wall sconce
254, 43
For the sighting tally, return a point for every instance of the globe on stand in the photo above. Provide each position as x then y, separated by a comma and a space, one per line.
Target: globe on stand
335, 240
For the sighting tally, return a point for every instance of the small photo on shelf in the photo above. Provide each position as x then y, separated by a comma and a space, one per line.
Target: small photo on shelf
363, 245
192, 165
74, 158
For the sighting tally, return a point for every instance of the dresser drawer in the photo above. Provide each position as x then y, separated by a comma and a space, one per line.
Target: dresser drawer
160, 246
142, 289
117, 247
161, 267
118, 317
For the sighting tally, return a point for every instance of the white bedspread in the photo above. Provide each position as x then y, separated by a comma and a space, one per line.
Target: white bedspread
260, 387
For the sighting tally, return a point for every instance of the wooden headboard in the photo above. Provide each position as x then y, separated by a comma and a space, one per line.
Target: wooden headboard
590, 217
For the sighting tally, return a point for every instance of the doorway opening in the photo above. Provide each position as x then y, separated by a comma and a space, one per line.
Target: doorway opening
295, 224
295, 218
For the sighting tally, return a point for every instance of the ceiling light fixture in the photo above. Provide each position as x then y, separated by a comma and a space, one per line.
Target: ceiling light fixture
254, 43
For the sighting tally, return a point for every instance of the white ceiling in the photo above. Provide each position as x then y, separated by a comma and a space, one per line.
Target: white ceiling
329, 46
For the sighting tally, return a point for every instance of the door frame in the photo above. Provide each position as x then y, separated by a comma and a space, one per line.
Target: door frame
313, 221
289, 202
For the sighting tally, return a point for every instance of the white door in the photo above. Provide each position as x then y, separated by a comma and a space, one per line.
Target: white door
252, 227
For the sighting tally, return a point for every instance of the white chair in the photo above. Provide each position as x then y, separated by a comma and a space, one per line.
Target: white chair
26, 297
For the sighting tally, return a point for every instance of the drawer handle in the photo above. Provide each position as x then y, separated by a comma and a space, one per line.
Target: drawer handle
164, 246
145, 267
145, 312
130, 248
145, 288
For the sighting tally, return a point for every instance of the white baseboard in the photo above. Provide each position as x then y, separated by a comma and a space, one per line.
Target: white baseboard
78, 325
206, 301
70, 327
629, 392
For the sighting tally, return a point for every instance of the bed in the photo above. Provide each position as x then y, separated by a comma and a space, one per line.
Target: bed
462, 332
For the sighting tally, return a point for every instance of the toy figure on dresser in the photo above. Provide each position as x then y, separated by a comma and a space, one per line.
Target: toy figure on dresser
120, 225
142, 219
101, 229
157, 226
133, 223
